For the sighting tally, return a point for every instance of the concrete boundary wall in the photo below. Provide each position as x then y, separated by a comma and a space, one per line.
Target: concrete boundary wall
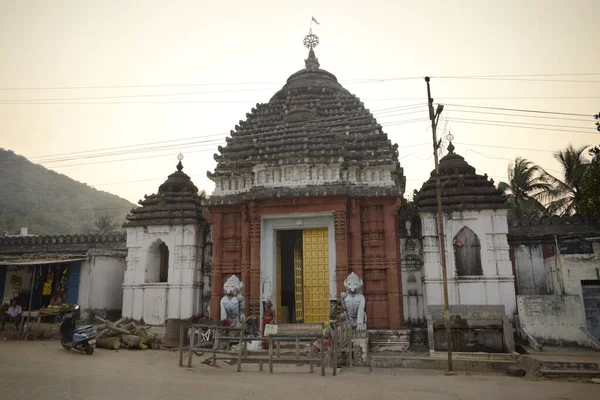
554, 320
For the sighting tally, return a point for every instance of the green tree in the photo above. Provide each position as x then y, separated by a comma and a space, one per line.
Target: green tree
590, 185
106, 224
564, 194
525, 185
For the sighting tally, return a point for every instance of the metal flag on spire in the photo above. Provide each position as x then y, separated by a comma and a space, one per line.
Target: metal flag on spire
315, 21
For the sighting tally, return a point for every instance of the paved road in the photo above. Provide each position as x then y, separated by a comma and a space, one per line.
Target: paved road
44, 371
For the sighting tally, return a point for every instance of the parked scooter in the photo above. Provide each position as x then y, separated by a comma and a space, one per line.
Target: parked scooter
71, 337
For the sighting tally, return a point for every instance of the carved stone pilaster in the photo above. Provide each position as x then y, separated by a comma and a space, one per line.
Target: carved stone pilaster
254, 301
341, 247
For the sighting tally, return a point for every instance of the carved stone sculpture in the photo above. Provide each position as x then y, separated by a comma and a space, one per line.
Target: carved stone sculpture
353, 302
232, 304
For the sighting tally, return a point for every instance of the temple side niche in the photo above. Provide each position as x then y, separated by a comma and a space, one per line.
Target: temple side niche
475, 228
311, 175
166, 235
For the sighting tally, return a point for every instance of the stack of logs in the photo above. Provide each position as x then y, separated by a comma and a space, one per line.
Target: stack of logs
114, 335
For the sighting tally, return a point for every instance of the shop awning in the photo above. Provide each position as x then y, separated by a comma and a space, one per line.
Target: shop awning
34, 262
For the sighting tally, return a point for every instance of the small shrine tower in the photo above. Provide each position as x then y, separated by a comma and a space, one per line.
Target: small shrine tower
475, 228
165, 239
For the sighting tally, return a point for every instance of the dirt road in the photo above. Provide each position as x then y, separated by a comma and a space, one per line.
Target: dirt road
44, 371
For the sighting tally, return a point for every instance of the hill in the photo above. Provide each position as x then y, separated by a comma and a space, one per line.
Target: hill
47, 202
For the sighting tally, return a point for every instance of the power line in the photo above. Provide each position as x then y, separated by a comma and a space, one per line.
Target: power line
356, 80
142, 180
504, 147
10, 101
518, 109
349, 81
523, 79
131, 149
392, 111
520, 115
251, 101
410, 121
467, 147
516, 126
525, 124
506, 159
400, 114
127, 146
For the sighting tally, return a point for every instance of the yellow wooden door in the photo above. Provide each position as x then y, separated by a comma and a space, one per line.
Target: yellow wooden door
278, 289
316, 275
298, 282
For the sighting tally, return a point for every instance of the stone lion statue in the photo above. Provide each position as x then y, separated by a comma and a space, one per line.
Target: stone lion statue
232, 304
353, 302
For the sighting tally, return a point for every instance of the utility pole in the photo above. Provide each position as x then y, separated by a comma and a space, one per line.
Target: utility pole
434, 116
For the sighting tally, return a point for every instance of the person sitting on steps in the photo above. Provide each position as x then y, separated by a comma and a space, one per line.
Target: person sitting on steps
327, 334
327, 337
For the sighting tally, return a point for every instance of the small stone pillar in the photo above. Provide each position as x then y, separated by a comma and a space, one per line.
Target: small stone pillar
171, 338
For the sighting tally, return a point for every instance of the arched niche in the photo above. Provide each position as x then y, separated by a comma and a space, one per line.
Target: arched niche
157, 269
467, 253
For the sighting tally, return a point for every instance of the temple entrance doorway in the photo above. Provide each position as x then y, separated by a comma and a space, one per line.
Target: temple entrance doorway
302, 276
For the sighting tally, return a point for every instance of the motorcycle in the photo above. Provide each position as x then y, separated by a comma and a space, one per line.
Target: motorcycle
81, 338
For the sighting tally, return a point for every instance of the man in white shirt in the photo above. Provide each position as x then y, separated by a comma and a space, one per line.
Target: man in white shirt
13, 314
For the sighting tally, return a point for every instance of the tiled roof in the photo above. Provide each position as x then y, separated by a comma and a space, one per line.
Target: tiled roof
312, 120
176, 203
462, 188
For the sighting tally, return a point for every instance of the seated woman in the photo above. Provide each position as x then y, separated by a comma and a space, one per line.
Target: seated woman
327, 337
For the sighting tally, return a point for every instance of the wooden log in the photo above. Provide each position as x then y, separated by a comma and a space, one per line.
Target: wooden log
110, 343
102, 320
141, 332
102, 333
120, 330
153, 341
128, 327
134, 342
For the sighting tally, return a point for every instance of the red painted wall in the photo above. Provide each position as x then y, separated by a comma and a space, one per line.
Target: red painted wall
367, 243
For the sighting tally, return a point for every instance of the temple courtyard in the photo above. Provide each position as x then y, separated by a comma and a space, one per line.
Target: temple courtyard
36, 370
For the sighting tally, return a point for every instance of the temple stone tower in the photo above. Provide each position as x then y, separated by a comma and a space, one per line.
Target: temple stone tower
165, 240
307, 191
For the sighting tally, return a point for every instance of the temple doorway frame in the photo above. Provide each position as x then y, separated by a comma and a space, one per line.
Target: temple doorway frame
270, 224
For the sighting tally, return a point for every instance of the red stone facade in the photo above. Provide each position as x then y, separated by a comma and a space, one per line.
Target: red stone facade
366, 240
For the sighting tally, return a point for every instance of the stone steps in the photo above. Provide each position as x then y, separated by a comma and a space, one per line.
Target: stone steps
381, 340
569, 373
570, 365
307, 329
403, 360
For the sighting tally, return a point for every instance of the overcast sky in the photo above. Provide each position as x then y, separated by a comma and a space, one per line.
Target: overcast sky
222, 58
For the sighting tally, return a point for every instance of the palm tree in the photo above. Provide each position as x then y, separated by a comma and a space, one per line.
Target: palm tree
105, 224
564, 195
525, 185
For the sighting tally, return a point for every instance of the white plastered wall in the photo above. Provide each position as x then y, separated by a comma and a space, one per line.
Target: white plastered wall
495, 286
180, 296
100, 285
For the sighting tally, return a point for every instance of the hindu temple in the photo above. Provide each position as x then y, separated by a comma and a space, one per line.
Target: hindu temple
307, 191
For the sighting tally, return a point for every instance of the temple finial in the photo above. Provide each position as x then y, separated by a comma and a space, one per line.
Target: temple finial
450, 138
179, 165
310, 42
